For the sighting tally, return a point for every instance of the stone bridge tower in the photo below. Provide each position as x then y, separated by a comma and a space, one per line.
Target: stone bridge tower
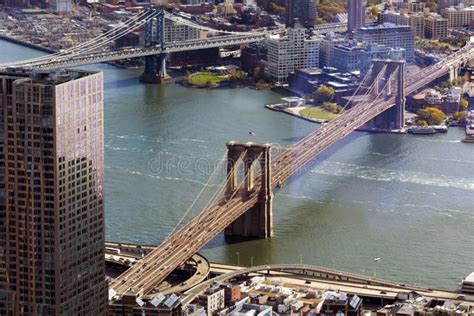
257, 221
390, 83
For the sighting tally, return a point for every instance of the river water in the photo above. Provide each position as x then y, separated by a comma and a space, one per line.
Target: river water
406, 199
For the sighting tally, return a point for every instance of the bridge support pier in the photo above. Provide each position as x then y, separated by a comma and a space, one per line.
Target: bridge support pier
453, 72
155, 70
257, 222
155, 65
391, 82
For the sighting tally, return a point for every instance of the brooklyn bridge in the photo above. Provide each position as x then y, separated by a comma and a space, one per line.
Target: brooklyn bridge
242, 204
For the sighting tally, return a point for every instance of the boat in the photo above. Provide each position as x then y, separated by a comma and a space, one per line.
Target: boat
467, 284
440, 128
424, 130
469, 133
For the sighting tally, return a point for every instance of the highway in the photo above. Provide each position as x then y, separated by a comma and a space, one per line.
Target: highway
176, 249
280, 273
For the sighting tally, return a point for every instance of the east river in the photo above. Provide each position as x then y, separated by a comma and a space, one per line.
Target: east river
406, 199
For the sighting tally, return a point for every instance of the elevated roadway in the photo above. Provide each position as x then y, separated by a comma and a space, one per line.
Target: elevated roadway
79, 58
309, 276
152, 269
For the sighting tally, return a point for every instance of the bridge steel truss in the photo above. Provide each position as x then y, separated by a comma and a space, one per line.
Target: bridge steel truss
155, 65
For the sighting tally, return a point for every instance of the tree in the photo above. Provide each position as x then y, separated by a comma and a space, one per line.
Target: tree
432, 6
258, 73
323, 94
430, 115
328, 10
237, 75
422, 123
463, 104
332, 107
277, 9
460, 117
374, 10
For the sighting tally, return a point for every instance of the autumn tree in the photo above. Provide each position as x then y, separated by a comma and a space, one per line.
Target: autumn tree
430, 115
460, 117
332, 107
463, 104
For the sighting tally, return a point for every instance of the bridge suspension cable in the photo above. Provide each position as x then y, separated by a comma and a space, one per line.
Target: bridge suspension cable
165, 255
206, 185
189, 23
117, 32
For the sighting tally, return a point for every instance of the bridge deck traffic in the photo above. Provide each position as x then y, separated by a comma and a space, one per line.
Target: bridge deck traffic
152, 269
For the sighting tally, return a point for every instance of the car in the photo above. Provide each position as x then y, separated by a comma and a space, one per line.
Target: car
383, 292
307, 282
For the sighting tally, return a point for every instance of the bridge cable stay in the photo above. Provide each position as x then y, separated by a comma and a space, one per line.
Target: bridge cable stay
96, 43
206, 185
357, 89
183, 21
323, 129
310, 150
306, 155
327, 128
85, 44
102, 42
236, 166
157, 253
190, 240
218, 193
213, 197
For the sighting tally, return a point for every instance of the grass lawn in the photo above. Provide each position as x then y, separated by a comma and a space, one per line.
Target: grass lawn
202, 78
317, 112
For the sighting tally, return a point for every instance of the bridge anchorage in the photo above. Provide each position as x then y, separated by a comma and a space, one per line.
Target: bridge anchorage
389, 79
155, 65
257, 221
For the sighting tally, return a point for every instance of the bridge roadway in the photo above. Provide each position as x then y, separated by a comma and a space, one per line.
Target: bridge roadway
175, 250
98, 57
298, 274
78, 59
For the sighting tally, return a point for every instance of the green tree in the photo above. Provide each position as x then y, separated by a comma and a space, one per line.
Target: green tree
430, 115
237, 75
258, 73
463, 104
332, 107
460, 117
323, 94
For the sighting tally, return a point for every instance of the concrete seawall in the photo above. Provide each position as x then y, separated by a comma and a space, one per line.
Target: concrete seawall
27, 44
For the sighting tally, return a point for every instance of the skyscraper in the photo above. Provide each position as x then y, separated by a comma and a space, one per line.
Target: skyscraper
355, 15
51, 194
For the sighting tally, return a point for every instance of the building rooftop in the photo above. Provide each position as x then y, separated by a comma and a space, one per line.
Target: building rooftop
384, 26
53, 77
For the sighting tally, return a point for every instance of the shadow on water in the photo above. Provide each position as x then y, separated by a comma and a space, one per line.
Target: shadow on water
125, 83
324, 155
